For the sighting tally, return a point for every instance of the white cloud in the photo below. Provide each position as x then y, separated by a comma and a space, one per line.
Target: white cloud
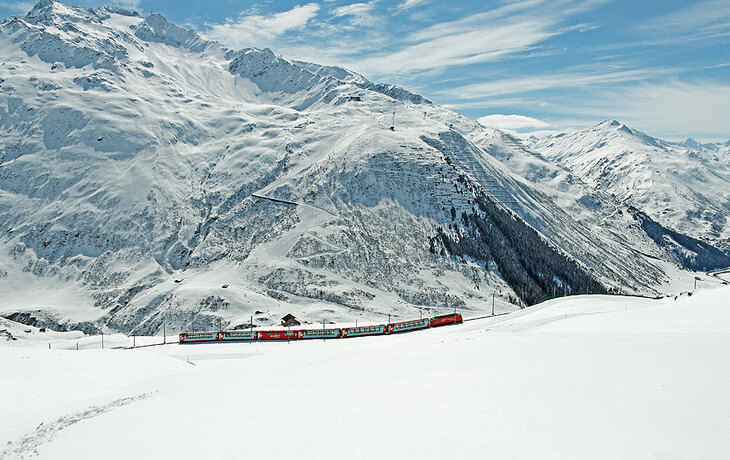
674, 109
670, 109
699, 20
575, 78
260, 30
358, 13
513, 122
513, 28
514, 12
408, 4
354, 9
21, 7
367, 43
127, 3
471, 46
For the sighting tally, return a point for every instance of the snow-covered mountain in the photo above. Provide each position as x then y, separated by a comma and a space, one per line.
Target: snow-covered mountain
150, 177
683, 186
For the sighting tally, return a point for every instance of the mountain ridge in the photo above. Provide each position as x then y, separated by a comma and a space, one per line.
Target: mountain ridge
683, 188
138, 163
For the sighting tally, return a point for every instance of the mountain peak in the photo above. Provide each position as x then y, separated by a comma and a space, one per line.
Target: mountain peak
44, 4
608, 124
156, 28
614, 125
50, 11
43, 8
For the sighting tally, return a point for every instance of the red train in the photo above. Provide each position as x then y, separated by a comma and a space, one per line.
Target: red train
303, 334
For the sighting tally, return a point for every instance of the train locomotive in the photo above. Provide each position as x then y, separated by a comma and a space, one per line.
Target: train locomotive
336, 333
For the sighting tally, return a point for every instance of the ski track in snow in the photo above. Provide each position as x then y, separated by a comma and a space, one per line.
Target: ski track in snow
27, 446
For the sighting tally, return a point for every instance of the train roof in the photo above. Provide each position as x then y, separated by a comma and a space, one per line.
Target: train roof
448, 315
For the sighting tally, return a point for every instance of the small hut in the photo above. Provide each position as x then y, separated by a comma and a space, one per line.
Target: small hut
290, 320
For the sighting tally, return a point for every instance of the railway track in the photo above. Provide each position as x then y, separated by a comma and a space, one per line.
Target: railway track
177, 342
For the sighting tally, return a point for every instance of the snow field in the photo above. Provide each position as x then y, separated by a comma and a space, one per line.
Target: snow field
582, 377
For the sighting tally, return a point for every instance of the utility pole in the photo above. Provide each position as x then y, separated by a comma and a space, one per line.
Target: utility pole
492, 303
251, 323
102, 340
134, 340
164, 333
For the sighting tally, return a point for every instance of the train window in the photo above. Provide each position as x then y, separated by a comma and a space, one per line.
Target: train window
199, 335
364, 329
239, 334
321, 332
409, 324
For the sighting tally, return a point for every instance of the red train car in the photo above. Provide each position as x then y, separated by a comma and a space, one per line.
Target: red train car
278, 335
442, 320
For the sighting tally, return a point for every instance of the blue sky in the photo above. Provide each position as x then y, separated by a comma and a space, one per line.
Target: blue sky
528, 65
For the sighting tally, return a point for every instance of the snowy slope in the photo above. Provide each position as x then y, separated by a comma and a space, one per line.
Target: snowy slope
598, 220
583, 377
683, 186
150, 177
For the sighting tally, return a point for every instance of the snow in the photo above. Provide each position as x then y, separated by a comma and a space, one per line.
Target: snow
578, 377
140, 168
140, 165
134, 154
684, 187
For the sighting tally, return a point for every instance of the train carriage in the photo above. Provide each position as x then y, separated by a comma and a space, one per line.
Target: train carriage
299, 334
361, 331
405, 326
443, 320
236, 336
198, 337
320, 334
278, 335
